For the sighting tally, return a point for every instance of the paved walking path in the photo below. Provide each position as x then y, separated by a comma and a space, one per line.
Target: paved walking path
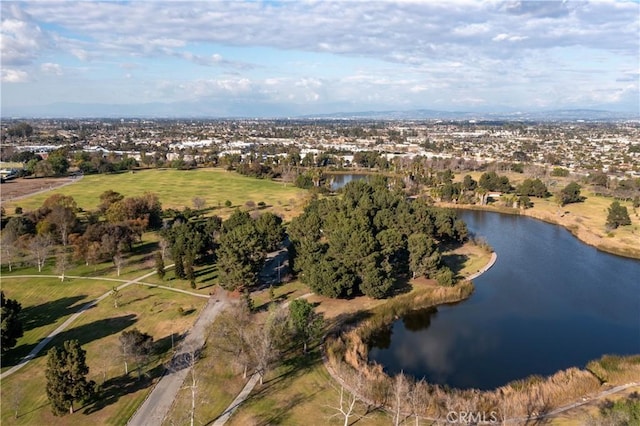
485, 268
246, 391
159, 401
44, 342
242, 396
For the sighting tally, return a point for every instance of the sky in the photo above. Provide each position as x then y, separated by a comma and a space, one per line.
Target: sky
283, 58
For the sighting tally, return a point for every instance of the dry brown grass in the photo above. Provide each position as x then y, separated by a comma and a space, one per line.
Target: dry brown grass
347, 358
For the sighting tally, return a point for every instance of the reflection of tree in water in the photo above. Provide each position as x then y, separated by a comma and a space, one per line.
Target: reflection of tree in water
413, 321
419, 319
381, 339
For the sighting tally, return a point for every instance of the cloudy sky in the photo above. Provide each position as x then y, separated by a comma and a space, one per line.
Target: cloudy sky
273, 58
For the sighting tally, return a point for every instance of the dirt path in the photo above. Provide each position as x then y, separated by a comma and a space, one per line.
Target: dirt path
17, 189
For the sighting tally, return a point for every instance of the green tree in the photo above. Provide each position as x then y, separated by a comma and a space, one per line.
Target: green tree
11, 323
66, 375
137, 346
424, 258
270, 228
240, 257
569, 194
306, 324
618, 215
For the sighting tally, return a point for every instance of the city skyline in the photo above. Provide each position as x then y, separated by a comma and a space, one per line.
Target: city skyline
268, 59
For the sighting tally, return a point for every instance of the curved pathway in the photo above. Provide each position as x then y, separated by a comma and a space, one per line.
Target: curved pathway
486, 267
44, 342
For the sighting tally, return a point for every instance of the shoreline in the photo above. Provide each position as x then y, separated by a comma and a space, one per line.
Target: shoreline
485, 268
583, 235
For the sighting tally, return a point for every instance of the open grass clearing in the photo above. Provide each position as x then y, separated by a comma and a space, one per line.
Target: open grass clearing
586, 220
151, 310
177, 188
46, 303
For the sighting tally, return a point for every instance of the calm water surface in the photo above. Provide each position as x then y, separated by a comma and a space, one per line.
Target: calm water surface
340, 180
550, 302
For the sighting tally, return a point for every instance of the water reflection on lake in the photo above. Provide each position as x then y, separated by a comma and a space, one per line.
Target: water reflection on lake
337, 181
549, 303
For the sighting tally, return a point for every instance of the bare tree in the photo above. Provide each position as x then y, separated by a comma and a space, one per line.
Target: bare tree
262, 341
115, 295
191, 356
10, 249
15, 399
64, 218
346, 404
199, 203
400, 397
40, 246
62, 263
230, 333
164, 246
419, 399
119, 262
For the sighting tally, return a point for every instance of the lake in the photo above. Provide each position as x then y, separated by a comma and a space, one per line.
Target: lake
337, 181
549, 303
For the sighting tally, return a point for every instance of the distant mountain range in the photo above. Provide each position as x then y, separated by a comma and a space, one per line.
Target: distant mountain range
426, 114
199, 109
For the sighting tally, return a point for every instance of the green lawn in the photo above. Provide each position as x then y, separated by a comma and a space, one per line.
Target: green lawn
151, 310
177, 188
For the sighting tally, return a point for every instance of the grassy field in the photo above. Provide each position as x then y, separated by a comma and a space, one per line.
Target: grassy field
46, 303
586, 220
177, 188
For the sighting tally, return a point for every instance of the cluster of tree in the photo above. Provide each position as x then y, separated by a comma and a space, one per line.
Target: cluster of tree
144, 211
11, 322
97, 163
360, 243
258, 346
189, 242
243, 245
532, 188
56, 164
491, 181
56, 223
370, 160
20, 130
257, 170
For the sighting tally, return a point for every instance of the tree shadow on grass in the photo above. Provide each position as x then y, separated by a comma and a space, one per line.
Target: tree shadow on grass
39, 316
49, 312
85, 333
455, 262
113, 389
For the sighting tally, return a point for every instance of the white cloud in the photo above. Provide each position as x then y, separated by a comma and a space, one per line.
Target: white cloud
14, 76
51, 68
345, 52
